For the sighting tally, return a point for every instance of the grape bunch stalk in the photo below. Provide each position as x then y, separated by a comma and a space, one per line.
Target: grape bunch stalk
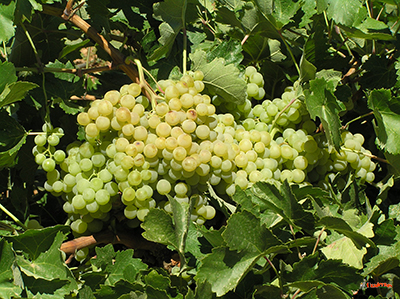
137, 153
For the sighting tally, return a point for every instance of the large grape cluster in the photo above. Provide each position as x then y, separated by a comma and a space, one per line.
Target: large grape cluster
135, 156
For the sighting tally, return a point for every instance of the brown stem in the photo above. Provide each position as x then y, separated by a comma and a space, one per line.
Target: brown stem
78, 71
117, 57
316, 243
130, 240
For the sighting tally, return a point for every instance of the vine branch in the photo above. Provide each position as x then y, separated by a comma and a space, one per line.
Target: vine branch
117, 57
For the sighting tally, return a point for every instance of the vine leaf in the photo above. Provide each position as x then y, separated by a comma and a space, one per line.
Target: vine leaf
386, 111
15, 92
34, 242
6, 21
387, 259
379, 73
161, 228
321, 102
125, 267
12, 137
7, 258
7, 74
346, 12
284, 204
49, 265
174, 14
278, 13
311, 272
351, 247
220, 79
247, 240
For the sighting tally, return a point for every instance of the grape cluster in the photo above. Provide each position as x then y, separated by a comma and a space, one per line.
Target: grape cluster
44, 150
135, 156
255, 83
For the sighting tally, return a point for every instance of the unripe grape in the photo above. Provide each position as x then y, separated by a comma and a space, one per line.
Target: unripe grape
40, 140
48, 165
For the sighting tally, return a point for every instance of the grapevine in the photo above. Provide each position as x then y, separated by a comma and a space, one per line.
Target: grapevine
136, 155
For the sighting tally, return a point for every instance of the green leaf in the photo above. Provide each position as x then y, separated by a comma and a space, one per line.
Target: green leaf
256, 22
99, 14
278, 12
284, 203
230, 50
387, 259
385, 232
345, 12
34, 242
220, 79
214, 237
124, 267
175, 14
341, 226
6, 21
192, 242
386, 111
267, 292
160, 227
322, 103
345, 250
63, 75
12, 137
7, 288
203, 290
309, 9
335, 271
49, 265
244, 232
104, 256
119, 289
330, 291
86, 293
303, 270
248, 240
15, 92
7, 74
261, 48
48, 289
157, 281
223, 269
379, 73
369, 29
74, 47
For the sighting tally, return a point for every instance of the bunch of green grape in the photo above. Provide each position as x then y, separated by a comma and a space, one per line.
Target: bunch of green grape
255, 83
136, 156
44, 150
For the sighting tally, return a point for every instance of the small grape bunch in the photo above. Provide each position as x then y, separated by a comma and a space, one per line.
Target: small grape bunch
255, 83
44, 151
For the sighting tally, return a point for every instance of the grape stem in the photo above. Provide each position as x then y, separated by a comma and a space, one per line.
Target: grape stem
290, 52
357, 118
367, 155
144, 85
79, 72
295, 241
273, 127
276, 272
316, 243
13, 217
